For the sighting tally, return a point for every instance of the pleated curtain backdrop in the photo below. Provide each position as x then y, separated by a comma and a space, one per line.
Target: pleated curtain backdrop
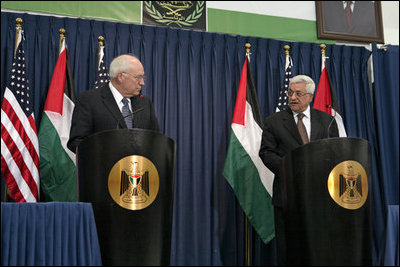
386, 103
192, 78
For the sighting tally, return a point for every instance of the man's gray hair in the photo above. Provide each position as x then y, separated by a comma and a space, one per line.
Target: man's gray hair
310, 85
120, 64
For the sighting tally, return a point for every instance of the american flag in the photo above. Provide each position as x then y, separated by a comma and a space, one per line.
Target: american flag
19, 140
283, 98
102, 72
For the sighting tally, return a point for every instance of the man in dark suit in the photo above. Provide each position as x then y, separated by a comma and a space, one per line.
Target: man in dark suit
350, 17
101, 109
281, 134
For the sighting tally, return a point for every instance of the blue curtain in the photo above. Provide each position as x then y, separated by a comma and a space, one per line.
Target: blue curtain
386, 101
192, 79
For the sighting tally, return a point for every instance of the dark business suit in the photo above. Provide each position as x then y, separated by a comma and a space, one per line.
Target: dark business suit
280, 136
96, 110
362, 18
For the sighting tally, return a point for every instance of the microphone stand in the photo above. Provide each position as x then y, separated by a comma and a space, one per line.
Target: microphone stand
129, 115
333, 118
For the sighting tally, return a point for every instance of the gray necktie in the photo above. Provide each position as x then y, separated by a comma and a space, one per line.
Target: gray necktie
302, 128
126, 112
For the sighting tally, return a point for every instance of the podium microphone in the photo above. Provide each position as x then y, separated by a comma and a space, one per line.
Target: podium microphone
129, 115
333, 118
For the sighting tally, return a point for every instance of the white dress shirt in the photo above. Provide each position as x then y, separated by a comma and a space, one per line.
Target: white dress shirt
118, 97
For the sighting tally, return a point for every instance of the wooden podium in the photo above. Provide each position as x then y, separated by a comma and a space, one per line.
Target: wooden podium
326, 203
128, 176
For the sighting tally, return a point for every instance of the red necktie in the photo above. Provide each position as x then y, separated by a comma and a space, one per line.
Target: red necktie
348, 12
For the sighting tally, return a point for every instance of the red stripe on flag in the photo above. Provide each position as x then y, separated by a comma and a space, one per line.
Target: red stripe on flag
240, 106
55, 96
323, 95
9, 110
19, 160
11, 182
32, 150
31, 120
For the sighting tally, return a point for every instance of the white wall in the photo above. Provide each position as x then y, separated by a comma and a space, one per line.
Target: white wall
390, 17
306, 10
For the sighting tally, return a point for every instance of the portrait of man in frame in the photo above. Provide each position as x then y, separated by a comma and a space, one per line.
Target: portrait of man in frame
350, 20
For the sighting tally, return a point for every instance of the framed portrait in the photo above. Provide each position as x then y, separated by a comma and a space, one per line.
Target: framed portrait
359, 21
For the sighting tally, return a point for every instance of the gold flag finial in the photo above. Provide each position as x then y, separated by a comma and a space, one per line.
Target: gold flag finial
101, 39
322, 46
19, 22
62, 37
62, 33
17, 32
286, 47
247, 45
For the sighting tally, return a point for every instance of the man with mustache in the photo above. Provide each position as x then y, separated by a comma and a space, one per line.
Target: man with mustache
281, 134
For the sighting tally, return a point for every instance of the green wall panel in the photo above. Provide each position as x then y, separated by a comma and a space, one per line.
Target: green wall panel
247, 24
221, 21
123, 11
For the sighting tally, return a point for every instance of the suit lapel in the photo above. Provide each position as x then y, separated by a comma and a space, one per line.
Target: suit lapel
317, 129
111, 105
289, 123
136, 105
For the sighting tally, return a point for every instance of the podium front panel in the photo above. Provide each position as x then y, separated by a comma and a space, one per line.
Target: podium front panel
318, 230
128, 237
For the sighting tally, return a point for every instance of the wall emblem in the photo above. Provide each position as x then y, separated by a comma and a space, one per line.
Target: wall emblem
180, 14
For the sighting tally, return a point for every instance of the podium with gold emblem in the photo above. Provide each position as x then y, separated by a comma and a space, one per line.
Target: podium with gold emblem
326, 203
128, 175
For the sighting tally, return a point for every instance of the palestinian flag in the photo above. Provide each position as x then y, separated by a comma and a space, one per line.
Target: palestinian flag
244, 170
325, 99
57, 162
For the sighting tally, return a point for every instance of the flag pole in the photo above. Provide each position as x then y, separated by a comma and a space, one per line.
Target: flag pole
62, 37
101, 39
286, 47
17, 33
246, 220
247, 46
322, 46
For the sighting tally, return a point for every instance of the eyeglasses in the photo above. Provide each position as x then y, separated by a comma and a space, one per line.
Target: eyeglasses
138, 77
298, 93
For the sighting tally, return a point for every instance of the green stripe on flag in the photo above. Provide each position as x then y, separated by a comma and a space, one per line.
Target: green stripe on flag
242, 175
57, 171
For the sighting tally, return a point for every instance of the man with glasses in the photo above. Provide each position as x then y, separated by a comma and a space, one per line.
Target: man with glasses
286, 130
117, 104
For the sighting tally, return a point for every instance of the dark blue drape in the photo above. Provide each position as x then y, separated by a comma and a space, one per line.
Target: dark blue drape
49, 234
386, 100
192, 79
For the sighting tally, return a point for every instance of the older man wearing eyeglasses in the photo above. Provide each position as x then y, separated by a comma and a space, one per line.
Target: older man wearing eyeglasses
286, 130
118, 104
